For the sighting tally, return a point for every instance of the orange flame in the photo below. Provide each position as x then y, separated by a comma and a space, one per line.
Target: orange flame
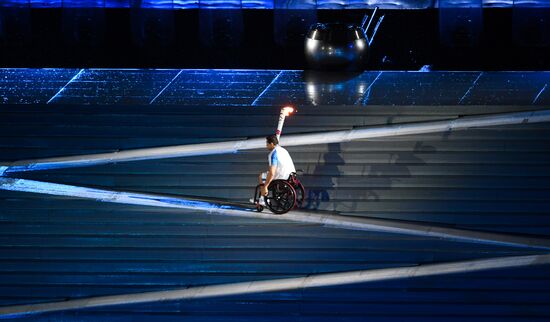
287, 110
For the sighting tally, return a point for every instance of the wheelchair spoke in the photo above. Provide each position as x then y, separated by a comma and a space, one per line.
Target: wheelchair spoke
281, 197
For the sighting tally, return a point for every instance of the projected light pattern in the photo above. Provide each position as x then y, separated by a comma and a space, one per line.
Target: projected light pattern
32, 86
110, 87
272, 4
269, 87
124, 197
305, 88
221, 87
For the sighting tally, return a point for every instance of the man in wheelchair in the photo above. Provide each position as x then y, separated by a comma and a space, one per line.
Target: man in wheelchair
280, 164
279, 189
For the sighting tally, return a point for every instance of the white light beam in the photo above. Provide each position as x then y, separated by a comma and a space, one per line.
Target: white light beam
275, 285
248, 211
460, 123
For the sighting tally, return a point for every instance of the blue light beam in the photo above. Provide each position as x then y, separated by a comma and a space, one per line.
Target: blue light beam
254, 103
538, 95
470, 89
366, 94
165, 87
63, 88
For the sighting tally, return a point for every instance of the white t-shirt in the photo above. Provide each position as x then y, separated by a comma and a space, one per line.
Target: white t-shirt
280, 158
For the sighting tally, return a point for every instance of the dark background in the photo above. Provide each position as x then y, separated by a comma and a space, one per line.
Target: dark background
447, 39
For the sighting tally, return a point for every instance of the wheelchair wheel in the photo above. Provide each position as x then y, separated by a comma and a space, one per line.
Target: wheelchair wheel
298, 188
281, 197
300, 194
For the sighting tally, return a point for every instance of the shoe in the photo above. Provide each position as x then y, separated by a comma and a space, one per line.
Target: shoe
261, 201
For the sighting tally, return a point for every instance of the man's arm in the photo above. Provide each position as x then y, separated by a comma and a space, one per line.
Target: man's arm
270, 175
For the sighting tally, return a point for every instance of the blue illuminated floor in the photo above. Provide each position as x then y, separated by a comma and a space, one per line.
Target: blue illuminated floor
269, 4
260, 4
493, 179
270, 87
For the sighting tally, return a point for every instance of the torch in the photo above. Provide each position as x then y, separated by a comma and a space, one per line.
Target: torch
285, 111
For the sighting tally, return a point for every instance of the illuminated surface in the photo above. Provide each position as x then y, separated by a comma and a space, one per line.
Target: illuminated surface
270, 87
54, 248
32, 86
270, 4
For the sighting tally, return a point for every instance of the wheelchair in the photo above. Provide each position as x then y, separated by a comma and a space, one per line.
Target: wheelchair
282, 195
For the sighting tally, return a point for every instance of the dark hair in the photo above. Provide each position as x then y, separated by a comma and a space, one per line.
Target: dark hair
272, 139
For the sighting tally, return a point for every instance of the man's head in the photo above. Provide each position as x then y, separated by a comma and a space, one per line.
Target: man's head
271, 141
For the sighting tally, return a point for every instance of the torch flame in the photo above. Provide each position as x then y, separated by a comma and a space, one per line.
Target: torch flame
287, 110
